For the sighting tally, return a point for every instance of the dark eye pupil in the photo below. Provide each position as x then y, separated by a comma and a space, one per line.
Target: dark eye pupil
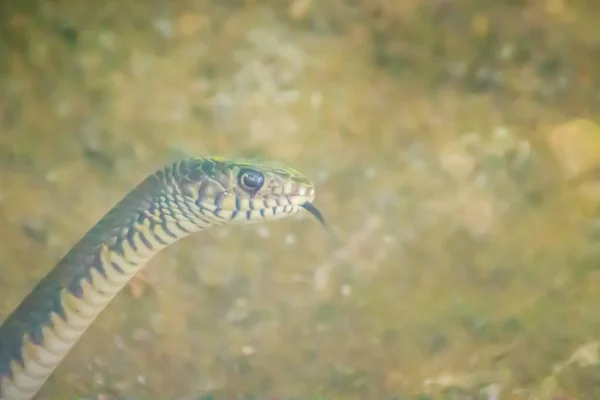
252, 179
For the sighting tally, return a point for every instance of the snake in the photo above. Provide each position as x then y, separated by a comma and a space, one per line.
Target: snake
183, 197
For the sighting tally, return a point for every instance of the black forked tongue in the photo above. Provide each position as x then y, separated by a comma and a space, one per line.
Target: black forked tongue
310, 207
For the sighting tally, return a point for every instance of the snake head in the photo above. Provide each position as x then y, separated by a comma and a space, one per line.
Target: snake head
246, 191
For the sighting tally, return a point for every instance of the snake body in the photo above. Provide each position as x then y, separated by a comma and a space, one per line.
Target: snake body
182, 198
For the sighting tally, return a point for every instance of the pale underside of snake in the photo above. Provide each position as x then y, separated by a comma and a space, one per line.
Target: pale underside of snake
182, 198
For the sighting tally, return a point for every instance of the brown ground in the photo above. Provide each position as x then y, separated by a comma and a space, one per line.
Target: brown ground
464, 268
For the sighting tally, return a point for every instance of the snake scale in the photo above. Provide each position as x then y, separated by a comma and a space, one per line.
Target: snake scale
183, 197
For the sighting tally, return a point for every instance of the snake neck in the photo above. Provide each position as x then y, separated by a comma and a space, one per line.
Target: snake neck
43, 328
151, 217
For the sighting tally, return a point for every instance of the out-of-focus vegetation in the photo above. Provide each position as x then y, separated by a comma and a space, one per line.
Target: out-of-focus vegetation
454, 145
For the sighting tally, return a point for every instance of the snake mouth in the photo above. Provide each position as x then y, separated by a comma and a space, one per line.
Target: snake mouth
314, 211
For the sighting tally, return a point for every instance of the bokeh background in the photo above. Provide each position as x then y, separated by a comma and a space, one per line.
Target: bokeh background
447, 139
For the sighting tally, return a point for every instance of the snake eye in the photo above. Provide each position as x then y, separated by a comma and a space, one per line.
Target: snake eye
251, 179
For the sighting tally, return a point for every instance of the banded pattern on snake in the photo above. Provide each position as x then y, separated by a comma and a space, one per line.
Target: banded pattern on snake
180, 199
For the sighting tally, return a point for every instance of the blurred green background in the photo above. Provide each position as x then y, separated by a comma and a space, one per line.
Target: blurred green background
439, 133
